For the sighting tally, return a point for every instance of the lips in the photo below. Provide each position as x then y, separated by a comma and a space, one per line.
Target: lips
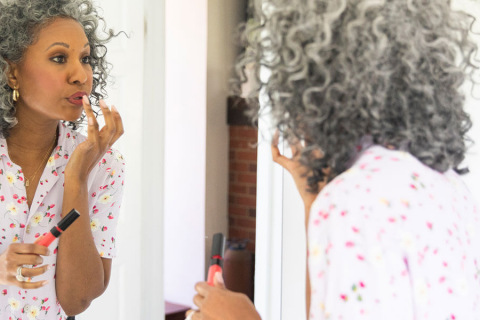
76, 98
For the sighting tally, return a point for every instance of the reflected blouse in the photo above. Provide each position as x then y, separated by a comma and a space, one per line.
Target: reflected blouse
393, 239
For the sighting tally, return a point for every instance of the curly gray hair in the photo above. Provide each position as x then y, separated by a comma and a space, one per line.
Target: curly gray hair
341, 70
20, 21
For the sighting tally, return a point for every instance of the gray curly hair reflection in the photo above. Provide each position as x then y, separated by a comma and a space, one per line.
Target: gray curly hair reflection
345, 69
20, 21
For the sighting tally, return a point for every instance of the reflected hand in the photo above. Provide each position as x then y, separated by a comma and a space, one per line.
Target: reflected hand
297, 170
218, 303
88, 153
17, 255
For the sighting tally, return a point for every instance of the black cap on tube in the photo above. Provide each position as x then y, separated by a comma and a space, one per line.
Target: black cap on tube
218, 247
218, 244
68, 219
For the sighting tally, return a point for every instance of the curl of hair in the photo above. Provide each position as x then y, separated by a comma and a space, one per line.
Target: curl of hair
20, 22
340, 70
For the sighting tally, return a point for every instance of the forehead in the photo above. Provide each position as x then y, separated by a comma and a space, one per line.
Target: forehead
61, 30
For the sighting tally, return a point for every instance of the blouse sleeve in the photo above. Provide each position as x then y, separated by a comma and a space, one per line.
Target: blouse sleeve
356, 261
105, 197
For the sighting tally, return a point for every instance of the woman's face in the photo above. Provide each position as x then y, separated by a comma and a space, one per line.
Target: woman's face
54, 73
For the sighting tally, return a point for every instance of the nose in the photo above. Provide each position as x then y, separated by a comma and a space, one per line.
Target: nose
79, 73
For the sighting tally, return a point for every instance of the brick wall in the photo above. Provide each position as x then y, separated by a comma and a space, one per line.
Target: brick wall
242, 185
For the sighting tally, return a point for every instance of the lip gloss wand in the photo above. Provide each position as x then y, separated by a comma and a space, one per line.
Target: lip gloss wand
56, 231
216, 261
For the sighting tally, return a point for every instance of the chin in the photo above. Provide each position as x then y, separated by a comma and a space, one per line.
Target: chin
73, 117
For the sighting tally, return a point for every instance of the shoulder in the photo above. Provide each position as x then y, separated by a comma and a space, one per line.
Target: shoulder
378, 187
379, 171
113, 158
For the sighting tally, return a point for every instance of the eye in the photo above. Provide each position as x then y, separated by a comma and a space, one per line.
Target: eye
87, 60
59, 59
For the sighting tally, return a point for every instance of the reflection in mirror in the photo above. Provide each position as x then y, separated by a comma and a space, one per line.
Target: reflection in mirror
347, 231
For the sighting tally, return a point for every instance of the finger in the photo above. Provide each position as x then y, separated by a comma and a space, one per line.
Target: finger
276, 138
92, 130
294, 148
118, 124
297, 146
198, 300
280, 159
29, 248
108, 131
274, 146
35, 272
276, 155
218, 280
203, 288
27, 259
193, 315
30, 285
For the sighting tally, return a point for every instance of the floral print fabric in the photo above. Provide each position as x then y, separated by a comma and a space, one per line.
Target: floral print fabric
391, 238
19, 224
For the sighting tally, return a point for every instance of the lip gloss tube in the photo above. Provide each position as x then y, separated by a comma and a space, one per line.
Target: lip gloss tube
56, 231
216, 261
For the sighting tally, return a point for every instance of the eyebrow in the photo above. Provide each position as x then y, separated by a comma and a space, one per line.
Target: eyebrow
63, 44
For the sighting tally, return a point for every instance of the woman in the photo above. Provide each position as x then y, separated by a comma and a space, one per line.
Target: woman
367, 93
52, 61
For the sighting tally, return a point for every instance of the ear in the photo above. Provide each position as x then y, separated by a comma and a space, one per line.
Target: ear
12, 71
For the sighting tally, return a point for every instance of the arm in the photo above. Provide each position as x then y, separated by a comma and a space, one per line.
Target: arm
82, 275
295, 168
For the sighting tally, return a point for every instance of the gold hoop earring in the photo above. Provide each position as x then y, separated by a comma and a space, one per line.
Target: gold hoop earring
15, 94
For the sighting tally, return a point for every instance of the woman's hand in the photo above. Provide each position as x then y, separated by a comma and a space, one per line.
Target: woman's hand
298, 172
98, 142
17, 255
218, 303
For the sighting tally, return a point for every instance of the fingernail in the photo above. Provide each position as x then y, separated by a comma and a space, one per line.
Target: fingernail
85, 99
48, 252
44, 282
49, 267
90, 121
103, 104
114, 108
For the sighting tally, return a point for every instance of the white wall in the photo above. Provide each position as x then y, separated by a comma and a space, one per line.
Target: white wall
472, 106
123, 298
135, 290
152, 170
185, 147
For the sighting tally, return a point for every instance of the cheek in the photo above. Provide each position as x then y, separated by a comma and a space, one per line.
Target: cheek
90, 82
42, 83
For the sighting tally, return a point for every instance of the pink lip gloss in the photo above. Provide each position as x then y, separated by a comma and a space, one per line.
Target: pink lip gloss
216, 261
56, 231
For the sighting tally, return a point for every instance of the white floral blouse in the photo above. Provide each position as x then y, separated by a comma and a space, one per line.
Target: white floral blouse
393, 239
19, 224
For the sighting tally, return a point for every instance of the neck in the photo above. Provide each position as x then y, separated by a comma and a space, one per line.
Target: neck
32, 133
32, 139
